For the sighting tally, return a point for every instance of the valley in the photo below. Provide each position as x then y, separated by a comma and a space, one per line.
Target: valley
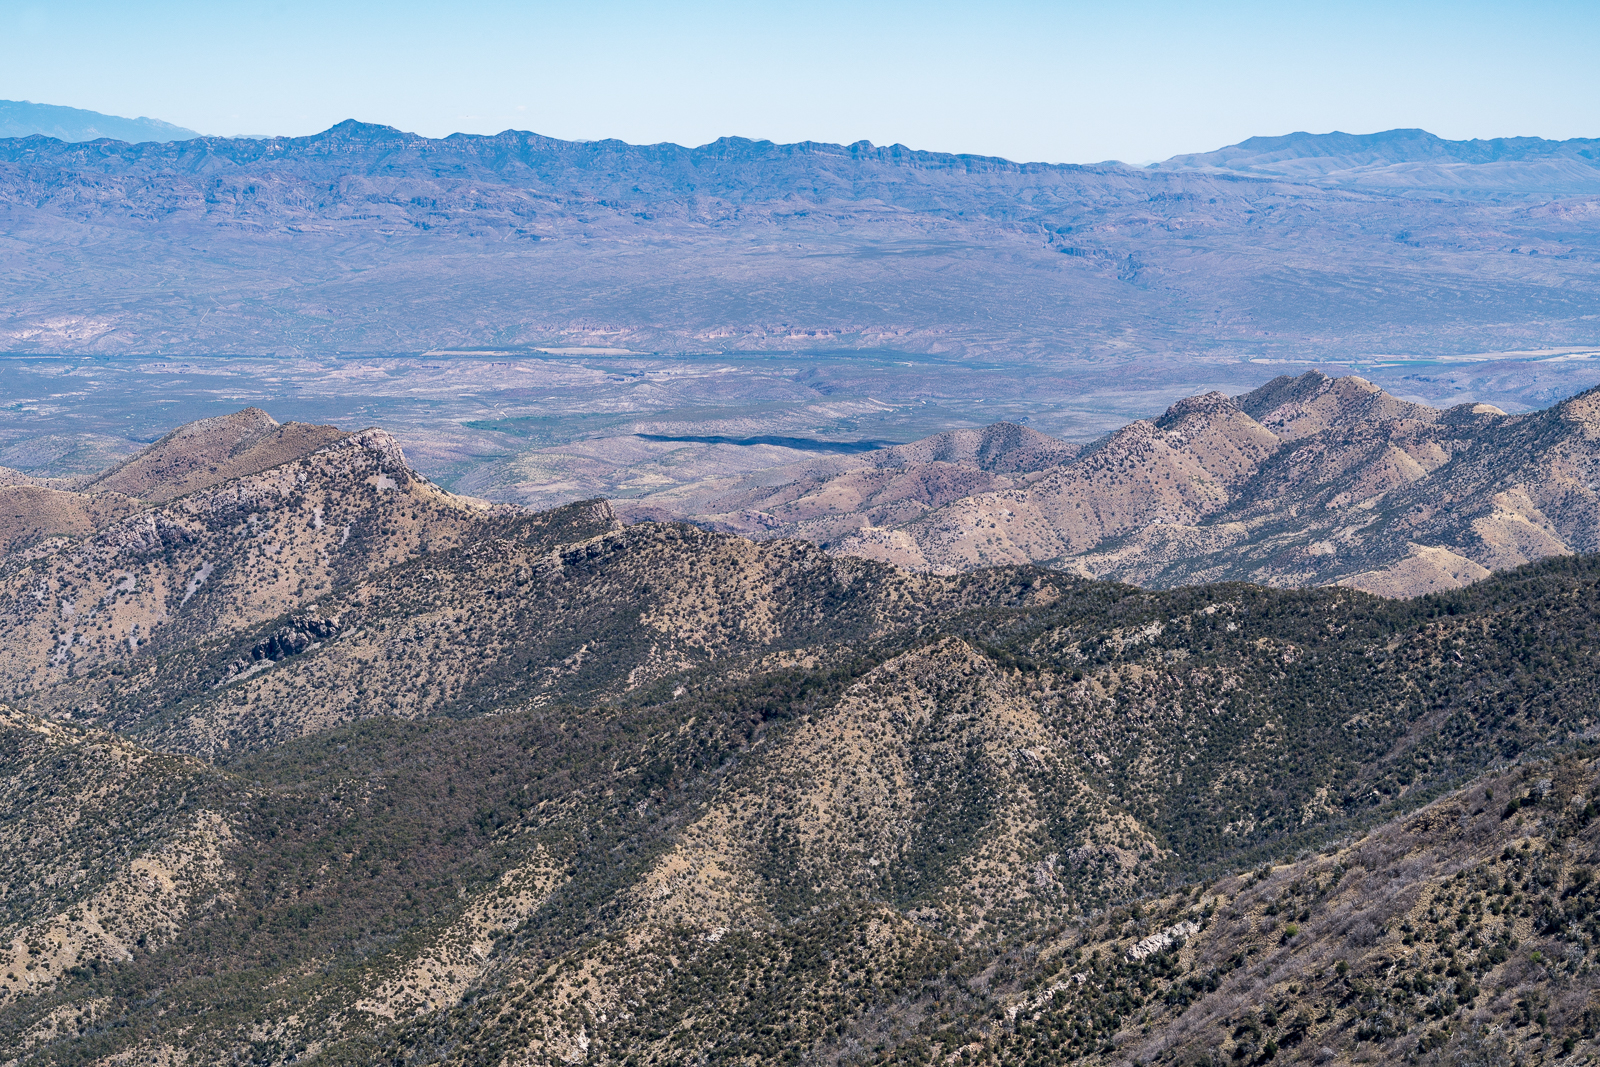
511, 601
365, 240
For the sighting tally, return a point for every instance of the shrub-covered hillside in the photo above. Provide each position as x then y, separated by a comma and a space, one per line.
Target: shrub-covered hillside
518, 788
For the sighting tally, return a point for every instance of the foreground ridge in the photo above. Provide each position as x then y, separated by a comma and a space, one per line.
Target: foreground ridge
386, 775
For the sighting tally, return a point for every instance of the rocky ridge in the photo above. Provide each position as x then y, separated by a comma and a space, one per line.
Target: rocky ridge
544, 788
221, 552
210, 452
826, 499
1305, 481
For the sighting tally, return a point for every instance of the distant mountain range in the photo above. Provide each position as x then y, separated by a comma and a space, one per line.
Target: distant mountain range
1405, 160
1413, 161
23, 118
1311, 157
367, 239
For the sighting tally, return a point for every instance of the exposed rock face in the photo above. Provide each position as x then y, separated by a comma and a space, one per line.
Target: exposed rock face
223, 554
1306, 481
293, 639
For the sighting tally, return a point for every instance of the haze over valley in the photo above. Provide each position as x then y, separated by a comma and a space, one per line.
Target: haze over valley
521, 308
504, 600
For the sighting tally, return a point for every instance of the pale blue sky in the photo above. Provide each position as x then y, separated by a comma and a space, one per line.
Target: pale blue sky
1060, 82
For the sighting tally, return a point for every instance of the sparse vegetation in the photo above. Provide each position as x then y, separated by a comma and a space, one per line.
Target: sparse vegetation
557, 789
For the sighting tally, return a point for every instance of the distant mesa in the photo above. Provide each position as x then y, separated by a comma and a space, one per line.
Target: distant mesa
23, 118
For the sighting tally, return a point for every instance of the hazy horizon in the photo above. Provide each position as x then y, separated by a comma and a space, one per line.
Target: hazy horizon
586, 140
1022, 80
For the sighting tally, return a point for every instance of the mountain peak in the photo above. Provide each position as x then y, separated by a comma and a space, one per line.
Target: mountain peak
356, 130
1212, 403
210, 451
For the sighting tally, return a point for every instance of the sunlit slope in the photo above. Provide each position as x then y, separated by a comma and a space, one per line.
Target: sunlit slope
219, 558
848, 840
1308, 481
540, 788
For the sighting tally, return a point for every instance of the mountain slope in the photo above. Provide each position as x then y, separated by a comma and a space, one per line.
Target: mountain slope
29, 513
75, 892
23, 118
193, 457
823, 500
1454, 935
218, 559
211, 451
1413, 161
878, 855
541, 788
1304, 481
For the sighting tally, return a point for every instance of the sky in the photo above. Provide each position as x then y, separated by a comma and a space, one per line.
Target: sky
1062, 82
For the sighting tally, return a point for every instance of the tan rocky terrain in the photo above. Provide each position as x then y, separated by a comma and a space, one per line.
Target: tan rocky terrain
193, 457
210, 452
226, 555
1453, 929
1305, 481
539, 788
29, 513
830, 498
